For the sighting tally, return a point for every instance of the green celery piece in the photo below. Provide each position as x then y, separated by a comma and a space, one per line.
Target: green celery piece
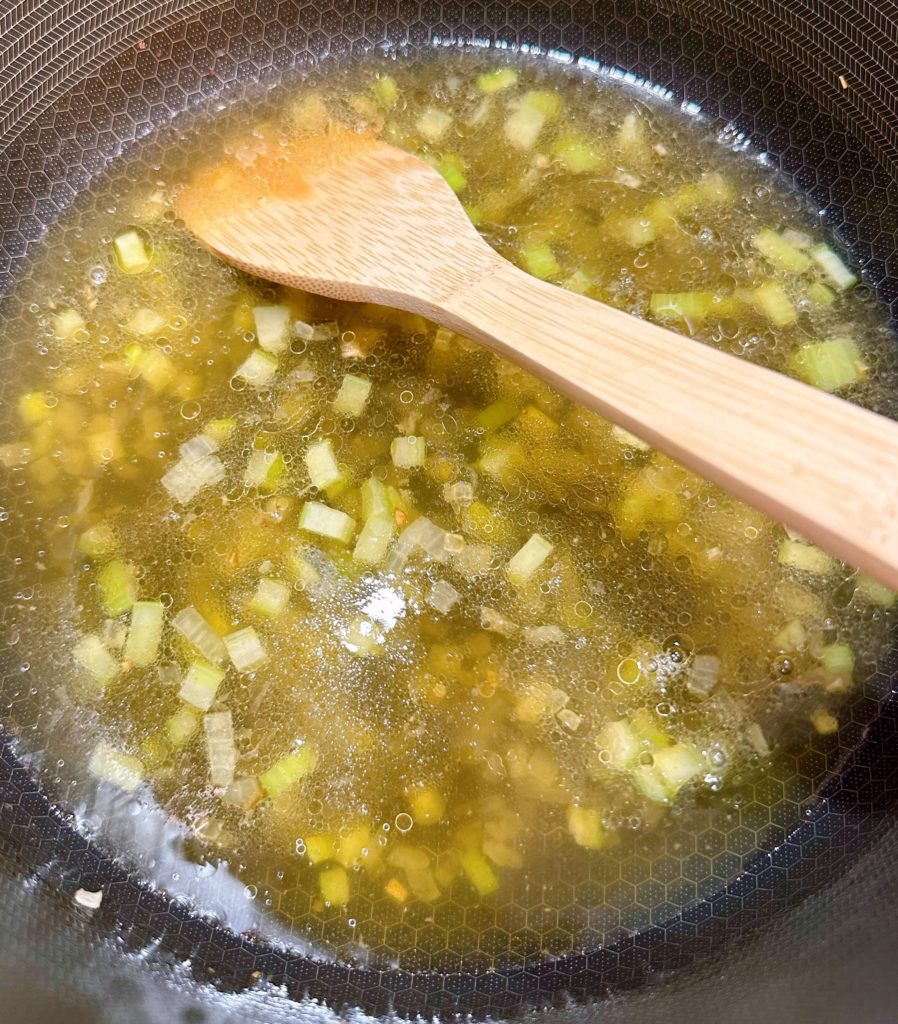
452, 167
540, 261
496, 81
289, 770
118, 588
498, 413
774, 248
688, 305
829, 365
386, 90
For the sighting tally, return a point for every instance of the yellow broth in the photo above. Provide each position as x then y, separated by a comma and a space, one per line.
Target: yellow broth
482, 650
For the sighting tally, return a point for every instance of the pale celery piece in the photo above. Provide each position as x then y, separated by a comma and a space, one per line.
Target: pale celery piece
530, 557
208, 456
352, 397
408, 452
111, 765
144, 632
327, 522
92, 655
245, 649
201, 684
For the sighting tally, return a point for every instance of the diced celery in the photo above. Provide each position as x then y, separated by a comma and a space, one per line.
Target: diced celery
386, 90
833, 267
647, 780
325, 521
433, 124
528, 559
333, 883
375, 499
245, 649
408, 452
322, 465
132, 251
579, 282
197, 631
182, 726
91, 654
771, 300
540, 261
258, 368
303, 570
578, 154
98, 541
688, 305
144, 632
678, 765
273, 329
820, 295
146, 323
264, 469
353, 846
478, 871
829, 365
271, 598
111, 765
498, 413
118, 587
497, 80
619, 744
524, 125
838, 661
244, 793
68, 325
586, 828
221, 750
443, 597
374, 539
871, 591
188, 476
452, 167
320, 848
352, 397
364, 637
702, 675
780, 252
289, 770
792, 637
220, 430
808, 558
201, 684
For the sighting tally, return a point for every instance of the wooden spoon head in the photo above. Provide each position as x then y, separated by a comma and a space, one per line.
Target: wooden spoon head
341, 214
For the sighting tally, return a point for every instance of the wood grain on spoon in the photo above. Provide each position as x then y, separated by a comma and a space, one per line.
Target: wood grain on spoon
350, 217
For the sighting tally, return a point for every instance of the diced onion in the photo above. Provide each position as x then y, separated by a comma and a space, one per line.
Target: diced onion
187, 478
496, 622
702, 675
257, 369
272, 327
244, 793
408, 452
539, 635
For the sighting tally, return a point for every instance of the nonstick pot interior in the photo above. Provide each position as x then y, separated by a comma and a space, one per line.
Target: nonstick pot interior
803, 927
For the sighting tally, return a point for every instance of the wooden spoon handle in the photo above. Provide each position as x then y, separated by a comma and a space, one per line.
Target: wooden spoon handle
815, 462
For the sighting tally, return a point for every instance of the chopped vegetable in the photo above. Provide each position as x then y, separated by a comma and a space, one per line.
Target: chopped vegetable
386, 90
528, 559
326, 522
334, 885
586, 827
496, 81
197, 631
780, 252
245, 649
244, 793
264, 469
289, 770
772, 300
805, 558
69, 325
833, 267
322, 465
374, 539
271, 598
273, 330
829, 365
201, 684
118, 587
702, 675
258, 369
91, 654
408, 452
132, 251
871, 591
145, 632
434, 123
146, 323
540, 261
98, 540
110, 765
353, 395
220, 747
688, 305
443, 597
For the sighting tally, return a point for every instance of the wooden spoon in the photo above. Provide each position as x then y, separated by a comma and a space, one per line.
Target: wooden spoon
350, 217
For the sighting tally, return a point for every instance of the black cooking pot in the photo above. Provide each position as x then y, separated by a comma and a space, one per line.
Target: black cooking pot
805, 929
